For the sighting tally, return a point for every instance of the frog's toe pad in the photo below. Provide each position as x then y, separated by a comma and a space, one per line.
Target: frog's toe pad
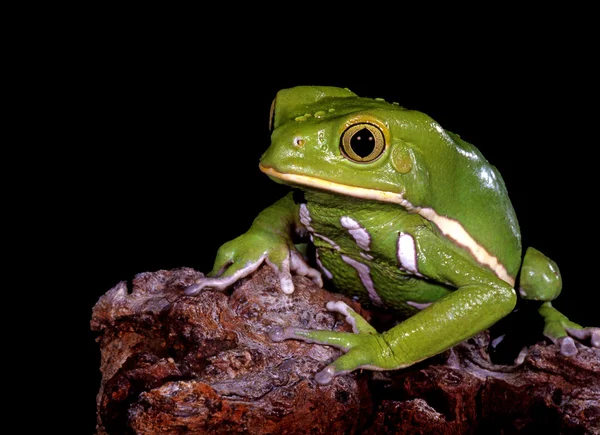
193, 289
591, 333
277, 334
567, 346
326, 375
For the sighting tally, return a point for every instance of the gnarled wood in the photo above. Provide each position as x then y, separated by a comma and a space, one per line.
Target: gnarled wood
177, 364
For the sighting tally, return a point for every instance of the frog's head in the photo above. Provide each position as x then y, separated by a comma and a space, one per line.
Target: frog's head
330, 139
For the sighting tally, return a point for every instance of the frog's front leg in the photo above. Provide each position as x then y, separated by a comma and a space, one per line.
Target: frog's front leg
270, 240
480, 300
541, 281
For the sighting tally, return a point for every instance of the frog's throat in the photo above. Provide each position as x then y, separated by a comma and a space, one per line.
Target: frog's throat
448, 226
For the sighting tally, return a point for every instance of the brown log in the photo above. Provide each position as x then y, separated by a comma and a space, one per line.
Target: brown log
177, 364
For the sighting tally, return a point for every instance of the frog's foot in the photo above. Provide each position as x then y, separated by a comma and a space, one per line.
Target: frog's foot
232, 271
565, 339
561, 331
582, 334
364, 348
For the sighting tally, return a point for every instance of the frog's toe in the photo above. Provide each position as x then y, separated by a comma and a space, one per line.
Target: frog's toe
591, 333
358, 323
285, 276
193, 289
567, 346
278, 334
226, 277
356, 358
300, 267
326, 375
341, 340
332, 338
293, 264
210, 283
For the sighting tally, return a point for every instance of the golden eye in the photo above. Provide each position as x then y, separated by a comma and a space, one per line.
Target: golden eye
362, 143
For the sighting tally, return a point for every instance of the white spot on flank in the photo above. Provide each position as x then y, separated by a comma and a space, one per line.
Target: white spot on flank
360, 234
365, 277
366, 256
327, 273
418, 305
305, 218
407, 253
328, 240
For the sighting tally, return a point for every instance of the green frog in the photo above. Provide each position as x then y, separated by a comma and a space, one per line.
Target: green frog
402, 214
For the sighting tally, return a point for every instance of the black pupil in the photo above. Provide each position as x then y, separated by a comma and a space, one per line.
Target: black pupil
363, 142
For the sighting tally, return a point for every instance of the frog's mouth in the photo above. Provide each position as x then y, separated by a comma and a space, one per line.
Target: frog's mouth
343, 189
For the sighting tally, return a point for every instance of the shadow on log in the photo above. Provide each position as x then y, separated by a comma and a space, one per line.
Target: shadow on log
177, 364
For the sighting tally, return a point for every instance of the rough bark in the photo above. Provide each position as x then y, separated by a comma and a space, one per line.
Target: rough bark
177, 364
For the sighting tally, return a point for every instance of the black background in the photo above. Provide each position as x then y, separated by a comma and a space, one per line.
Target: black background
165, 125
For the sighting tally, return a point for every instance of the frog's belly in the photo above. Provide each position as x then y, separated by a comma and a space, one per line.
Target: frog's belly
378, 283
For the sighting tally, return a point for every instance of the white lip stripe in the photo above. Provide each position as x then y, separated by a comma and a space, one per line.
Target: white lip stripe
449, 227
365, 277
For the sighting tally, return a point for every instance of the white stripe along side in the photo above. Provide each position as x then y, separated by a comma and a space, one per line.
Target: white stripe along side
449, 227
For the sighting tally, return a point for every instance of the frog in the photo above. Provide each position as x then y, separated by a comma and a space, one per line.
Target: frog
401, 214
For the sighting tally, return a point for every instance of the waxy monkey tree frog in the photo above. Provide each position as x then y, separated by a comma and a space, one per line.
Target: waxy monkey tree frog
402, 214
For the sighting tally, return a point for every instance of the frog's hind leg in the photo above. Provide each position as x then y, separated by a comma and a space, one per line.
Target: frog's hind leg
541, 281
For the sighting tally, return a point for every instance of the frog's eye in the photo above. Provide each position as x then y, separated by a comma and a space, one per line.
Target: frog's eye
362, 143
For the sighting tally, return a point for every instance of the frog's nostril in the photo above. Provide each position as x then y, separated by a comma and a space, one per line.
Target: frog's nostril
299, 142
